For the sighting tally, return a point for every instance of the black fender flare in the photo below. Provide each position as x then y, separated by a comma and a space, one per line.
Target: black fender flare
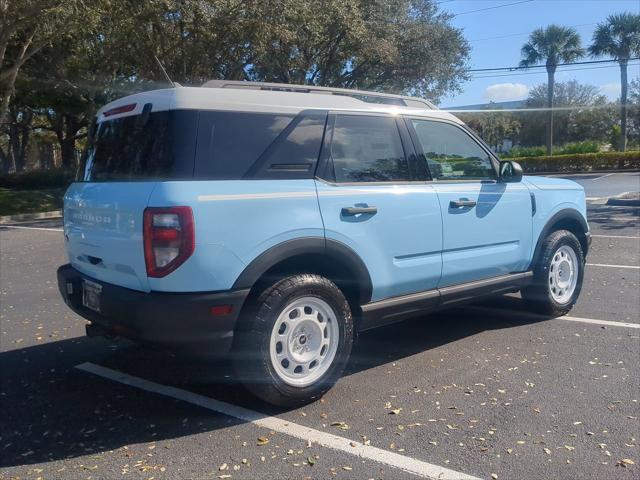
334, 251
562, 215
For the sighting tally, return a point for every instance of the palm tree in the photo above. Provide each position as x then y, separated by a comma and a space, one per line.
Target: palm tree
619, 37
553, 45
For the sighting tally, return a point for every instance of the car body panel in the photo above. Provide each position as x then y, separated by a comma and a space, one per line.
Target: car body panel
553, 195
103, 231
235, 222
400, 244
490, 239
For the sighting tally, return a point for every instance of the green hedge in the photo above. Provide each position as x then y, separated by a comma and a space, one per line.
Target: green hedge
568, 149
37, 179
580, 163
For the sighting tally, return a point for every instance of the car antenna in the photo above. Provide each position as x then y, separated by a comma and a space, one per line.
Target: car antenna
166, 75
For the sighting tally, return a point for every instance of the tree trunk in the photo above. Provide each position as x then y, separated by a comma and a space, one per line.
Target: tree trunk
71, 125
623, 105
551, 70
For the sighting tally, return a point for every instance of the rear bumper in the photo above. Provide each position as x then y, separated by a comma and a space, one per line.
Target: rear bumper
180, 320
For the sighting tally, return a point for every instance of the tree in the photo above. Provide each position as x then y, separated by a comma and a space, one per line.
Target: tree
403, 46
634, 112
26, 26
619, 37
553, 45
392, 45
581, 113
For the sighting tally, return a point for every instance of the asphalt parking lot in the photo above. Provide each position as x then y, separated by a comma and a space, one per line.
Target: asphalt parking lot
479, 391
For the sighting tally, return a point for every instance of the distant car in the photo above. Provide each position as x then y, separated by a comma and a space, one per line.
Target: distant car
272, 222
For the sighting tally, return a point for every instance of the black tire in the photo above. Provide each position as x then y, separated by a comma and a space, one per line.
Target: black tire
538, 294
251, 357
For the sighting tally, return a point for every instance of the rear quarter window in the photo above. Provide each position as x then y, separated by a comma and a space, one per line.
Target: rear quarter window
242, 145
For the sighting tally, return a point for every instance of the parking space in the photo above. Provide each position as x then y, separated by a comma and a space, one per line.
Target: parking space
601, 185
480, 390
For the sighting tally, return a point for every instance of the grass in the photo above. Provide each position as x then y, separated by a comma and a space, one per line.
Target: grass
30, 201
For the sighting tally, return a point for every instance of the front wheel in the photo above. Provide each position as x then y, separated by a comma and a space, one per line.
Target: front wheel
557, 275
294, 341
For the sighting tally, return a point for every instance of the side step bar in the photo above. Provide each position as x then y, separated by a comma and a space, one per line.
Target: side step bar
391, 310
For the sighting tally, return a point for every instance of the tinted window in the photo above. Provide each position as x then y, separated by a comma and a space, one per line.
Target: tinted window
146, 146
451, 153
294, 153
367, 149
229, 143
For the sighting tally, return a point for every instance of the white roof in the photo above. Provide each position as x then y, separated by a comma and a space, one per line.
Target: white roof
264, 101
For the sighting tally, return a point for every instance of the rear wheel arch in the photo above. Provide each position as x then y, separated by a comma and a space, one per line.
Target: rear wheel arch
567, 219
329, 258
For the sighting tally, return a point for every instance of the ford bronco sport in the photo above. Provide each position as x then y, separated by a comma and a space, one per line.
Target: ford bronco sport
273, 222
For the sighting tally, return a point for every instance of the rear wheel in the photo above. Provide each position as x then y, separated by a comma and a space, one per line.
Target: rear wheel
558, 275
294, 341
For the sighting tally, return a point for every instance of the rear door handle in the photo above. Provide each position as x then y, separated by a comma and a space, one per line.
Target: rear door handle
461, 203
351, 211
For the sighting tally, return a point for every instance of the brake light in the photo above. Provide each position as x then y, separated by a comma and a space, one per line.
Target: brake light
169, 239
121, 109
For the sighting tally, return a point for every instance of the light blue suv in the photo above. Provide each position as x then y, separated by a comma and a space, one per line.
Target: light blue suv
272, 222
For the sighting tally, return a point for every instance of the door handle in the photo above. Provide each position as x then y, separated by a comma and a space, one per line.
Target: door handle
351, 211
461, 203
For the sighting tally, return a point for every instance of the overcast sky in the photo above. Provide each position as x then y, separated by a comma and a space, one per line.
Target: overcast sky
512, 22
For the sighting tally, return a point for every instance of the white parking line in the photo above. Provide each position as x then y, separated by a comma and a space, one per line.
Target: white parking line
600, 322
614, 236
328, 440
569, 318
635, 267
603, 176
33, 228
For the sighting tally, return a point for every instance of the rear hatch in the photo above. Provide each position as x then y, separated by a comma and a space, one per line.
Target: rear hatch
128, 152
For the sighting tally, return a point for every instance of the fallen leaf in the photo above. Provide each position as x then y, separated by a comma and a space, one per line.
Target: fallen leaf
626, 461
340, 425
494, 476
348, 469
223, 467
547, 451
569, 447
263, 440
395, 411
311, 460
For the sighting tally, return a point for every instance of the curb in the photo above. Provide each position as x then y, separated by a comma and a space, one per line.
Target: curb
621, 201
624, 202
27, 217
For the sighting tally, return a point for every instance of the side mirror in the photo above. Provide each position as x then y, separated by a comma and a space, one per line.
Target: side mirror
510, 172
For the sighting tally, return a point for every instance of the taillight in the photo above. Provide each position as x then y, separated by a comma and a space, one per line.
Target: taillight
169, 239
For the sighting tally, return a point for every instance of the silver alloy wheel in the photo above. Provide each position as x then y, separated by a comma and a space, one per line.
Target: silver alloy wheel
304, 341
563, 274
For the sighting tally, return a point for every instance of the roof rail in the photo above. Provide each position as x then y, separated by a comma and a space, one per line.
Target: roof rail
363, 95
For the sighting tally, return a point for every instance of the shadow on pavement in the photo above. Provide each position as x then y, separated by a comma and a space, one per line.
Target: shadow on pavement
52, 411
612, 218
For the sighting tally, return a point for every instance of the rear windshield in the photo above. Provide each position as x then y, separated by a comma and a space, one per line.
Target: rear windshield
158, 145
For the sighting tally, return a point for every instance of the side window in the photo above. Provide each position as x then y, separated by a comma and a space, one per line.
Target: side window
451, 153
229, 143
367, 149
294, 153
